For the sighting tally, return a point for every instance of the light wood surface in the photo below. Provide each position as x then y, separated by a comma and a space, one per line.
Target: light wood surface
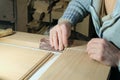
74, 64
20, 63
23, 39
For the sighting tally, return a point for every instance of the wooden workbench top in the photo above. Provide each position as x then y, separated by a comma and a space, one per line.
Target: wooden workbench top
18, 63
23, 39
73, 64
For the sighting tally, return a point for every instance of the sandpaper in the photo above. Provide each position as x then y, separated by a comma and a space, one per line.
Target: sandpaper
45, 44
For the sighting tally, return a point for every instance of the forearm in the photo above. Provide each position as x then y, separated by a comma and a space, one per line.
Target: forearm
75, 12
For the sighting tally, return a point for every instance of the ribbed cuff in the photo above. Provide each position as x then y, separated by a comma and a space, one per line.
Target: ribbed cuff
61, 20
119, 65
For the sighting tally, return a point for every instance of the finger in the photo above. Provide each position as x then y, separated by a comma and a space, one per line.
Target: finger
64, 36
96, 56
101, 60
91, 51
98, 59
97, 41
91, 47
51, 39
60, 40
55, 40
95, 45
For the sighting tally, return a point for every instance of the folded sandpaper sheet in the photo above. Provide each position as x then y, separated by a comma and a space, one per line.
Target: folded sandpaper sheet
45, 44
72, 43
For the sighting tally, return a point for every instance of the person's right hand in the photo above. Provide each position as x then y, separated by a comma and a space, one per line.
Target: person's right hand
59, 35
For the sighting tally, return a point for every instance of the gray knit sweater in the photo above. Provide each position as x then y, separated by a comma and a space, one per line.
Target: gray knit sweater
77, 10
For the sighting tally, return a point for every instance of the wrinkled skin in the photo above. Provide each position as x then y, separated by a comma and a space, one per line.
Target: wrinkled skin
59, 36
103, 51
98, 49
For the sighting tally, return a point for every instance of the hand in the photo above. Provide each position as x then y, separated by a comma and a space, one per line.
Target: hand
103, 51
59, 36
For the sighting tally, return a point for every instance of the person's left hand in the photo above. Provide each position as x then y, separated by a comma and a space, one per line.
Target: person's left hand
103, 51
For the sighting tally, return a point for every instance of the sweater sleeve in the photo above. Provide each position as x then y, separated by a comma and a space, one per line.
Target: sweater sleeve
119, 66
76, 11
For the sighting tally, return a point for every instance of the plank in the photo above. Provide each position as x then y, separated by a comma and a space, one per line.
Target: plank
20, 63
74, 64
23, 39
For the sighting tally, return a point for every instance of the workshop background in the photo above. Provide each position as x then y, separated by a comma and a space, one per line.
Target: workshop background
35, 16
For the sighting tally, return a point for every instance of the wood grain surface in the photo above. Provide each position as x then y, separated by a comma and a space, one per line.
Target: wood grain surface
18, 63
23, 39
74, 64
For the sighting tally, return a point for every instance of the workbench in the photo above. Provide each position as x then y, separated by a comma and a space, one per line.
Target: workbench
71, 64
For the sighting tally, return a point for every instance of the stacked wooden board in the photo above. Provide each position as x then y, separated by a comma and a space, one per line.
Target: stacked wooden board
23, 39
20, 63
20, 57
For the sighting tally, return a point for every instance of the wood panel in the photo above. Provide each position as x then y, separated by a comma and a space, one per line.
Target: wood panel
23, 39
20, 63
74, 64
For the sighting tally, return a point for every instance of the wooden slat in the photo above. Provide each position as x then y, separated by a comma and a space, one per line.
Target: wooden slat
20, 63
23, 39
74, 64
